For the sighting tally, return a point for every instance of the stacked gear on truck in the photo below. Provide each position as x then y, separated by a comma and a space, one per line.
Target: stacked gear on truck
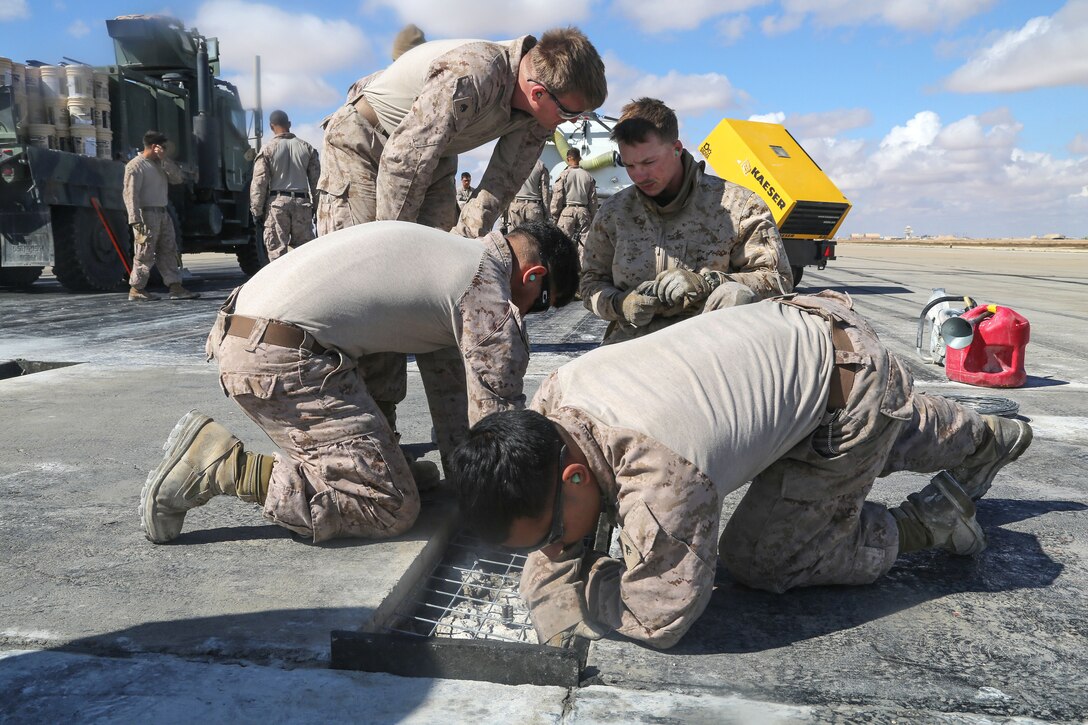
61, 198
807, 206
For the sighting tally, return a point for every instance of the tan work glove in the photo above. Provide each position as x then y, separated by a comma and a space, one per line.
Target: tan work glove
139, 229
675, 286
637, 309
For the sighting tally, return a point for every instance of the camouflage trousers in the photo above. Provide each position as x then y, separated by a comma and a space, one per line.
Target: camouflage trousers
289, 223
804, 521
525, 210
349, 171
352, 153
341, 472
159, 248
575, 221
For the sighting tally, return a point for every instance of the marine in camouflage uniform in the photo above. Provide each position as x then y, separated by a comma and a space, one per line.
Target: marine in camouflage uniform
533, 199
145, 191
465, 191
390, 153
293, 345
574, 199
677, 242
660, 430
283, 193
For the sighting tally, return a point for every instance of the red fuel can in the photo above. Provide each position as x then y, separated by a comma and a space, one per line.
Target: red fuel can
995, 357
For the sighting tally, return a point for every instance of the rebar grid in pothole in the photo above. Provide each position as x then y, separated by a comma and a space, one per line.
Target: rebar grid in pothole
471, 594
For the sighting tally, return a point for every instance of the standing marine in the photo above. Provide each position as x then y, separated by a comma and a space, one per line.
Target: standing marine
283, 193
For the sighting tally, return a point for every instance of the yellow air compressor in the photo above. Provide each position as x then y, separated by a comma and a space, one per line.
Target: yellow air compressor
765, 158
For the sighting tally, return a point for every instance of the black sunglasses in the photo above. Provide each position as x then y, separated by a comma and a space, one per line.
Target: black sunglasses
558, 528
564, 112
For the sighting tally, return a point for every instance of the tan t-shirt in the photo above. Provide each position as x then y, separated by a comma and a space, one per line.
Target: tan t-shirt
401, 287
729, 401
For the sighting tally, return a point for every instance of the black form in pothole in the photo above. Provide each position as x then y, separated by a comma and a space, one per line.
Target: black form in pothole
465, 620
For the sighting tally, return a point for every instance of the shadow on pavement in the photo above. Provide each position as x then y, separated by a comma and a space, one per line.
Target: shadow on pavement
1034, 381
186, 670
861, 289
231, 533
742, 620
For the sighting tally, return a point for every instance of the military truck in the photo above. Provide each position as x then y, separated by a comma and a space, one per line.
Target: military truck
65, 209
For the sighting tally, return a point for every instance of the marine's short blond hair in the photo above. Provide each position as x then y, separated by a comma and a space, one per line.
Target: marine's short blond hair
566, 62
644, 116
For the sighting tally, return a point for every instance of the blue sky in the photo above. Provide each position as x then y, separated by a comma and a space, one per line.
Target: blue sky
952, 116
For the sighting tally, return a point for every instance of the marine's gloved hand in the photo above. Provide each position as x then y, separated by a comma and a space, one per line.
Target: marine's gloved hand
729, 294
649, 287
139, 229
637, 309
679, 285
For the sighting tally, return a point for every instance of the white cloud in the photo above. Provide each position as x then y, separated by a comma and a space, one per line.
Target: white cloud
13, 10
286, 90
1079, 144
1046, 51
825, 124
484, 18
295, 49
733, 29
309, 131
968, 176
776, 117
78, 29
655, 17
911, 15
687, 94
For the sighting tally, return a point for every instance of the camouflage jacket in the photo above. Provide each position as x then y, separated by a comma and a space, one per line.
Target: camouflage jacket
464, 195
146, 185
464, 102
285, 163
574, 186
712, 226
665, 578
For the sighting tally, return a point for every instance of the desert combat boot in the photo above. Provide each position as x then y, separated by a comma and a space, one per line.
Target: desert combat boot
1006, 439
942, 516
177, 292
202, 460
140, 295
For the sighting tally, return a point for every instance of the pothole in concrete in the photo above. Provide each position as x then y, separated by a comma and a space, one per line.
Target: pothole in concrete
19, 367
465, 620
471, 594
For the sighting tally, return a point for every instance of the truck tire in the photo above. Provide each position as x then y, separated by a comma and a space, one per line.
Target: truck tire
798, 272
86, 260
19, 277
253, 256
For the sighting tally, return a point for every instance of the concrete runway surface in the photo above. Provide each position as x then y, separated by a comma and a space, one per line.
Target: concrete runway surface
231, 622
